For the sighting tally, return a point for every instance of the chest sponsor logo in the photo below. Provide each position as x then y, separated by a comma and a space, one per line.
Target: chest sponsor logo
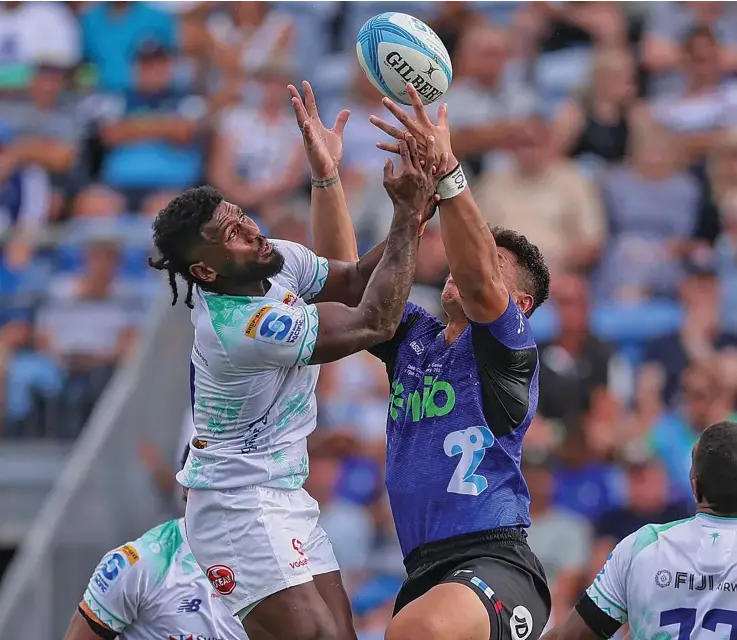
252, 325
435, 399
189, 605
222, 578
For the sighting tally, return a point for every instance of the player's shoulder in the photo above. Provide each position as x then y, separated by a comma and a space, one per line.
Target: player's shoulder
414, 314
650, 535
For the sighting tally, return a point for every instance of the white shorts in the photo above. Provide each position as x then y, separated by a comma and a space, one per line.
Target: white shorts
256, 541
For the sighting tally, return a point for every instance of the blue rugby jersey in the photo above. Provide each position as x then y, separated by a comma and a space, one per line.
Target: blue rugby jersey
457, 416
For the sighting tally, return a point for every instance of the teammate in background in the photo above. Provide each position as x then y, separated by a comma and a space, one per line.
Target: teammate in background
463, 396
675, 580
152, 588
263, 311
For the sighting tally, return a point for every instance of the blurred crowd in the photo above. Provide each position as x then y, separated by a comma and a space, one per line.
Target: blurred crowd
606, 132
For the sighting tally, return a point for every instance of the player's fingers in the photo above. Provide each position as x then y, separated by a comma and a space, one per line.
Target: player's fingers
310, 99
429, 164
299, 112
401, 116
388, 146
391, 130
404, 152
414, 154
443, 115
308, 134
417, 105
443, 167
340, 122
388, 170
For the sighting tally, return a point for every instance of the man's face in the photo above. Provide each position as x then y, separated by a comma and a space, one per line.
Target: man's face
233, 250
154, 74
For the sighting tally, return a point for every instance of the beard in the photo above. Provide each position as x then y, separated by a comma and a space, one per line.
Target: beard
253, 272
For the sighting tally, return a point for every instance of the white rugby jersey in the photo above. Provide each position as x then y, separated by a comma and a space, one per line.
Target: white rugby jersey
674, 581
154, 589
253, 391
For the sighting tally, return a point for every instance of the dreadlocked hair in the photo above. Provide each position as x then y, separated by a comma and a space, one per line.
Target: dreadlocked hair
177, 229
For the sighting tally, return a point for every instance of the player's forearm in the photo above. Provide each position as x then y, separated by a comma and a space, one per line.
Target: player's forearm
388, 287
469, 245
333, 235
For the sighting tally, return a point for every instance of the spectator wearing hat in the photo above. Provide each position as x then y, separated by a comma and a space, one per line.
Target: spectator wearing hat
152, 134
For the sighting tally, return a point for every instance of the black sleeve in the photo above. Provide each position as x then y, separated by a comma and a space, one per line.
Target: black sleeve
387, 351
596, 620
506, 381
97, 628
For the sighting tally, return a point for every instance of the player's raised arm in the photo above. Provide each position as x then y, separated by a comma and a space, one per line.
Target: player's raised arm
469, 243
344, 330
332, 228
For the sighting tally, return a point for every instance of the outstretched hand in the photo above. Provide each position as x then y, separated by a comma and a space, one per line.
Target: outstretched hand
324, 146
413, 188
421, 127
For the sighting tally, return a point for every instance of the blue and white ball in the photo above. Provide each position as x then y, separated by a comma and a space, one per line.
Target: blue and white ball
395, 48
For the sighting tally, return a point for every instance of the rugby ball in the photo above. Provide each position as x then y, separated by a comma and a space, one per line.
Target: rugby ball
395, 49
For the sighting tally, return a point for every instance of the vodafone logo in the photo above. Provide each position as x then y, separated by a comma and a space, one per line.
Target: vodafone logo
222, 578
303, 559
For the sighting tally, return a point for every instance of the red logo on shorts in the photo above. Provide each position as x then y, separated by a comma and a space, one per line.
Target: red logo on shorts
222, 578
303, 560
297, 546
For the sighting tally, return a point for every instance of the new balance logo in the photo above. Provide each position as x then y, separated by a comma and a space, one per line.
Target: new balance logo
189, 606
521, 327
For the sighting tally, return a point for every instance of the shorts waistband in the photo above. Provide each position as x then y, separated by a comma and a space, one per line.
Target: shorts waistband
439, 549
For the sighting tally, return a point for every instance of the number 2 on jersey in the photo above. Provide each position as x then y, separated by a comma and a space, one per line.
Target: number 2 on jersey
471, 444
686, 621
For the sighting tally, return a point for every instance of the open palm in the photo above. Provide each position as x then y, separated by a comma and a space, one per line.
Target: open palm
324, 146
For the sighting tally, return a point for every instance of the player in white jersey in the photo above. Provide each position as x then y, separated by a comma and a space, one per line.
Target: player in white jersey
153, 589
264, 311
676, 581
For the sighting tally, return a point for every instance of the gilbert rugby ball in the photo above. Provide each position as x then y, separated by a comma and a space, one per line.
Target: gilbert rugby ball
395, 48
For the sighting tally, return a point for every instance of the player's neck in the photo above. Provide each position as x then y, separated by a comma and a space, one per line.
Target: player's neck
254, 289
708, 511
454, 329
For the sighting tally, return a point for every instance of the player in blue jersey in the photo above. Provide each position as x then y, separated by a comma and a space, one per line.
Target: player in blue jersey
462, 398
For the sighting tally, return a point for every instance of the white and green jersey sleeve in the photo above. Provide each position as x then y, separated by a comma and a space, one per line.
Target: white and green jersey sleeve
253, 391
675, 581
153, 588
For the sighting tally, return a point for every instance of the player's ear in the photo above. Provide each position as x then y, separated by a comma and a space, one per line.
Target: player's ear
524, 302
202, 272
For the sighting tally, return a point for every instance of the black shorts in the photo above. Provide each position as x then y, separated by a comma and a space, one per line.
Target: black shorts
498, 566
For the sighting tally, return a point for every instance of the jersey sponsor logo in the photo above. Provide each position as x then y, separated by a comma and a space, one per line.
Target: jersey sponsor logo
199, 443
699, 582
521, 623
521, 327
663, 578
275, 327
289, 299
222, 578
252, 324
189, 605
417, 347
192, 636
110, 568
436, 399
130, 552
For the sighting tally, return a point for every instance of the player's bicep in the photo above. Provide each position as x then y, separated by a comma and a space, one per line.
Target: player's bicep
85, 625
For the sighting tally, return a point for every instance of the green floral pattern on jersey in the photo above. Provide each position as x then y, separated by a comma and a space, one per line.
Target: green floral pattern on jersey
160, 545
219, 413
196, 478
296, 475
229, 315
295, 406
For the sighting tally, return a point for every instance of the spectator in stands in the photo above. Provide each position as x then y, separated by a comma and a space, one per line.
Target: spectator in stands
373, 606
595, 127
726, 264
652, 206
706, 396
257, 157
705, 106
699, 336
668, 27
32, 31
88, 324
576, 363
453, 20
152, 133
487, 99
560, 539
648, 501
546, 198
113, 33
25, 199
49, 128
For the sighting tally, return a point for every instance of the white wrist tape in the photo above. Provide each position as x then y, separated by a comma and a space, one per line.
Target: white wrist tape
452, 184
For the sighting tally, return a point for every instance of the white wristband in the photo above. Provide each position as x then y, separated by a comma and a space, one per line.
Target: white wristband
452, 184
